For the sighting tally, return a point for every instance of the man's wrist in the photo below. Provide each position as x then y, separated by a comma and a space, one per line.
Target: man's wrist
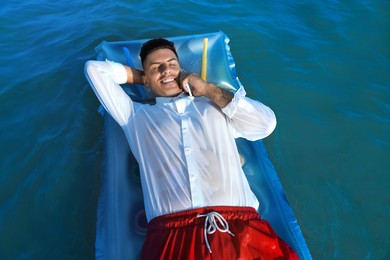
219, 96
134, 76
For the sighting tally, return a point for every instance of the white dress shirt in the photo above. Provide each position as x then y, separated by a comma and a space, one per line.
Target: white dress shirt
185, 146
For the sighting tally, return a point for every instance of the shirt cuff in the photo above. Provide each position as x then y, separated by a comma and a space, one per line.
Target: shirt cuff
231, 108
119, 73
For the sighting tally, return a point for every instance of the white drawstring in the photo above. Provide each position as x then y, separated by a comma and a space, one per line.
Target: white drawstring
211, 225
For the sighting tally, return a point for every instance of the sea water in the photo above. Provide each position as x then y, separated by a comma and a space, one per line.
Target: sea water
322, 66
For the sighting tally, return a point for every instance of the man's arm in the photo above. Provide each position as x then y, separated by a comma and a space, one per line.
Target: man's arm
134, 76
199, 87
219, 96
250, 118
105, 78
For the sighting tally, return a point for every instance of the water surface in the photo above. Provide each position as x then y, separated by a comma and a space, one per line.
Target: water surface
323, 66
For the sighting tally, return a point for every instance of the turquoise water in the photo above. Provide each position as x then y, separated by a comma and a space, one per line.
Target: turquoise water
323, 66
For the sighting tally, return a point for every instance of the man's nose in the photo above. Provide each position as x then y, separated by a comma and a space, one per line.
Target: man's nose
164, 69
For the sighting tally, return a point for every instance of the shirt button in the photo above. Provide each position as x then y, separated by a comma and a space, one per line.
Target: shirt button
187, 150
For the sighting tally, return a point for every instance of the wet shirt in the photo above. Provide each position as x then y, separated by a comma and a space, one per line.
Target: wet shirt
185, 146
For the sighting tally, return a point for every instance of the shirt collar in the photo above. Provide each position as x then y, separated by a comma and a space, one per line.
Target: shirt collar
165, 100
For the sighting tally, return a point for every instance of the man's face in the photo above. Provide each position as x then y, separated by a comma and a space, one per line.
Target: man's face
162, 69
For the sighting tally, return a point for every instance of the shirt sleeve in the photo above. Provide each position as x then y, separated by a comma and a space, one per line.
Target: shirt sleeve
104, 78
250, 119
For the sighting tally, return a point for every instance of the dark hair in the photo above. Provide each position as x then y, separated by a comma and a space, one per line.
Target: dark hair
155, 44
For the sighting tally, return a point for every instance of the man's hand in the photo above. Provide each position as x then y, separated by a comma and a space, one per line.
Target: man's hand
199, 87
194, 82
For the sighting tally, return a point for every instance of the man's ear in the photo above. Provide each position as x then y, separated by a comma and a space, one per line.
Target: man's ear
145, 81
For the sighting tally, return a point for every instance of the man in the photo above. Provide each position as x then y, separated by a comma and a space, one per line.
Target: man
197, 199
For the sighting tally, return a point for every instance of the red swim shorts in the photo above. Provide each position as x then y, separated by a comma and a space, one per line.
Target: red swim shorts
214, 233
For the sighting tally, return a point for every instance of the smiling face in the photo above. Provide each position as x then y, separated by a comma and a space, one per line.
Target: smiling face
162, 69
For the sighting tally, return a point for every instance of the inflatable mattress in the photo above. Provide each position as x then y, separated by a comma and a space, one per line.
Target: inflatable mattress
122, 225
